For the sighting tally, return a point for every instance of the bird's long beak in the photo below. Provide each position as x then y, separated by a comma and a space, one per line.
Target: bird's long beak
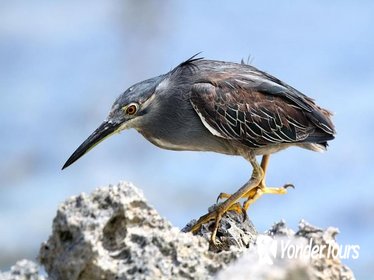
106, 129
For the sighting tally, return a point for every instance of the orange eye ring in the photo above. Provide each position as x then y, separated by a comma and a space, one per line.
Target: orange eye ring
131, 109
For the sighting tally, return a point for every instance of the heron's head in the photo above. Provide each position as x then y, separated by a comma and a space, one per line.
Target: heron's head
127, 112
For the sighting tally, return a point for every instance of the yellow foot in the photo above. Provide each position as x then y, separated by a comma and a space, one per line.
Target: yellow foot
231, 203
213, 215
216, 215
252, 192
236, 207
257, 192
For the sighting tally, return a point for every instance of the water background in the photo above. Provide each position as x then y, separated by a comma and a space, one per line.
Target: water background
62, 64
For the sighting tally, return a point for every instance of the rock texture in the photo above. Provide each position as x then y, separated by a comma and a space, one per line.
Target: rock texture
282, 254
113, 233
23, 270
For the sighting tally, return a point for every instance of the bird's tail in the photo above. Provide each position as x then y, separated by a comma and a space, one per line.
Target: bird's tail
316, 147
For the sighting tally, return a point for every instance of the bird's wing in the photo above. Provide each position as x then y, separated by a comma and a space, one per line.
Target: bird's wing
258, 113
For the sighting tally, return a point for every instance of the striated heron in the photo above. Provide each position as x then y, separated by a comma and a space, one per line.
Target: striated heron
223, 107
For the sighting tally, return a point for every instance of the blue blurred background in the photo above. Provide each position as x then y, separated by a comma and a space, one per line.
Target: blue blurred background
62, 64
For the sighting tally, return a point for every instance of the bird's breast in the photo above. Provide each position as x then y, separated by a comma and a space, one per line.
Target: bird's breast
166, 144
201, 141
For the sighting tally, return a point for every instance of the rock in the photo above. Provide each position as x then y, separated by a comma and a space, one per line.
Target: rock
235, 231
22, 270
114, 234
275, 257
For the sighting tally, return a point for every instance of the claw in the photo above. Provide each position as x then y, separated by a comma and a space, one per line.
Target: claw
286, 186
245, 215
222, 195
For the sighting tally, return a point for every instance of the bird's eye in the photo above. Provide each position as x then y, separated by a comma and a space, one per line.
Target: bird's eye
131, 109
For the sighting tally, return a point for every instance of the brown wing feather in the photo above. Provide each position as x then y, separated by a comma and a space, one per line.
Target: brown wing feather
243, 113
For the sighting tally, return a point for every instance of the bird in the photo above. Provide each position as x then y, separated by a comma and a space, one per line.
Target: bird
224, 107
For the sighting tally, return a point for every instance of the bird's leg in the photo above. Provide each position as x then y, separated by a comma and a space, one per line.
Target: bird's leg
264, 165
236, 207
252, 192
261, 189
231, 202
